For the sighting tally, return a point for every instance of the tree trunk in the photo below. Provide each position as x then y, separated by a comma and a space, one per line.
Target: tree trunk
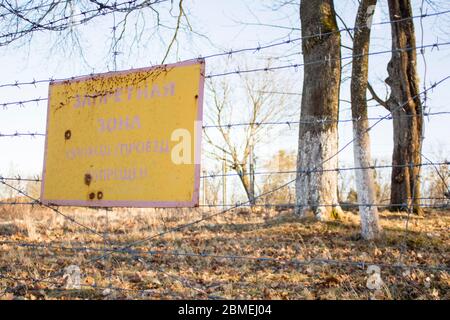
406, 109
365, 186
318, 141
244, 176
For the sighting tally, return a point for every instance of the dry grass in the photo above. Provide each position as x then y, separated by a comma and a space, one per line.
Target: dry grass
267, 234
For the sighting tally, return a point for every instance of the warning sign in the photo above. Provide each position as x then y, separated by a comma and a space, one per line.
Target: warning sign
127, 138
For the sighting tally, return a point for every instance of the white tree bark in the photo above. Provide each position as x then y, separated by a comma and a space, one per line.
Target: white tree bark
365, 188
370, 227
316, 189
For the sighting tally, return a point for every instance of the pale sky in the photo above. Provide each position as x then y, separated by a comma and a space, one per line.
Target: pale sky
224, 25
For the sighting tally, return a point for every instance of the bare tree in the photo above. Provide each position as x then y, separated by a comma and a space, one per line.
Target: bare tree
318, 134
20, 21
235, 145
370, 228
405, 105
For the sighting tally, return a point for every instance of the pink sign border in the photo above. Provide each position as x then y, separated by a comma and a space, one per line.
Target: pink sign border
131, 203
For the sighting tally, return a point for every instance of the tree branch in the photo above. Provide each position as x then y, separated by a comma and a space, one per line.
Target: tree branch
377, 98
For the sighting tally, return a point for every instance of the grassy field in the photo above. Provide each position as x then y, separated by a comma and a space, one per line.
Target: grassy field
307, 259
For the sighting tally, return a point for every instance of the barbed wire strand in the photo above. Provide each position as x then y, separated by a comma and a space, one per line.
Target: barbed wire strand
204, 254
18, 178
288, 123
238, 205
253, 49
36, 201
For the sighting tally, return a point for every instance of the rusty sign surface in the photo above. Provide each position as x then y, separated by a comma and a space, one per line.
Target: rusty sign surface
127, 138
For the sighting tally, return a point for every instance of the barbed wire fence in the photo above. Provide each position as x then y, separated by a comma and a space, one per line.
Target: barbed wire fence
132, 249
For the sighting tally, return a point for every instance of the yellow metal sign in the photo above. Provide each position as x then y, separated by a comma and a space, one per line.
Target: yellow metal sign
125, 138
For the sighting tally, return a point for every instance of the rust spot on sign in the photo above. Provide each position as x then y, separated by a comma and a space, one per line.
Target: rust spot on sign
92, 195
67, 134
99, 195
87, 179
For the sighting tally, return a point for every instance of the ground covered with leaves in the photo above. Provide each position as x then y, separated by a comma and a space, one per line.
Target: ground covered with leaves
122, 254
